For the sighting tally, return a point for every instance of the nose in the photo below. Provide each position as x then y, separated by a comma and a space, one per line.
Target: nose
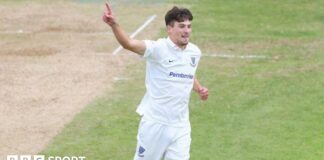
186, 29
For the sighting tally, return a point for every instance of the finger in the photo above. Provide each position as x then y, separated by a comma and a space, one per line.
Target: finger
205, 97
204, 91
107, 15
204, 94
200, 90
108, 8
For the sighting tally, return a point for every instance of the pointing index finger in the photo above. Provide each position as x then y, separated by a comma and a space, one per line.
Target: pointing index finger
108, 8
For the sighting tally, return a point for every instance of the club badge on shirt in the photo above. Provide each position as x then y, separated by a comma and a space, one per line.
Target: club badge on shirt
193, 61
141, 151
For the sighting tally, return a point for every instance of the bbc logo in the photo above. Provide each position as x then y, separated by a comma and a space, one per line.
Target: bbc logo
42, 157
25, 157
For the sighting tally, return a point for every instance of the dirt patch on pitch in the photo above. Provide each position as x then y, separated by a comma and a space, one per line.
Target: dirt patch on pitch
58, 61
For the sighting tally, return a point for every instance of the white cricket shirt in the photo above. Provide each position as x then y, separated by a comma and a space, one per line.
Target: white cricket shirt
169, 80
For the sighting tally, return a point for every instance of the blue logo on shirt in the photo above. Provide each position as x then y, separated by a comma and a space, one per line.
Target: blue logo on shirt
141, 151
181, 75
193, 61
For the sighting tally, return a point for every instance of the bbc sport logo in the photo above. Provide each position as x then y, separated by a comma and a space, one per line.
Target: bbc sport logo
42, 157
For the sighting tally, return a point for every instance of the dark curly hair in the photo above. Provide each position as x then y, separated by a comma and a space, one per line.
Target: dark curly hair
177, 14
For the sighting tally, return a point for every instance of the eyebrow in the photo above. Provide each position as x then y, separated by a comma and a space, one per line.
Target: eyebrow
184, 24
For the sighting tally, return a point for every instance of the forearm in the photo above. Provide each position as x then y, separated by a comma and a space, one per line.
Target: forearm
121, 35
201, 90
128, 43
133, 45
196, 85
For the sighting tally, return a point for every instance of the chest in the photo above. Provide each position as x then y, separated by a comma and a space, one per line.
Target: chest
184, 62
177, 67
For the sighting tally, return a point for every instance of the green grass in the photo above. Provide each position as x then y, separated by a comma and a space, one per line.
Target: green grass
107, 128
123, 1
258, 109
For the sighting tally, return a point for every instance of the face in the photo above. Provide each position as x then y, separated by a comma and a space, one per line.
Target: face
180, 33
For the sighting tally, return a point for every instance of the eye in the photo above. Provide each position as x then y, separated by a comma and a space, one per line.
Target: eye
181, 26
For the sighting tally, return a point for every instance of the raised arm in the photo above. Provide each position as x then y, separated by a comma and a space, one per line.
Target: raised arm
201, 90
133, 45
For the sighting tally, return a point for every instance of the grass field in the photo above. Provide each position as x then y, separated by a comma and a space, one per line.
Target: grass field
269, 109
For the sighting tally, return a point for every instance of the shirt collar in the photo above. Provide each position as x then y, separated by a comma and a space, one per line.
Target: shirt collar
173, 45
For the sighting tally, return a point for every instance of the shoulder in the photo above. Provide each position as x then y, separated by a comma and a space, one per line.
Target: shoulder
194, 49
155, 48
162, 42
155, 43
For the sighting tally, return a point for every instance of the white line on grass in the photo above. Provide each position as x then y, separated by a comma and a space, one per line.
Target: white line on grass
20, 31
121, 78
236, 56
56, 33
147, 22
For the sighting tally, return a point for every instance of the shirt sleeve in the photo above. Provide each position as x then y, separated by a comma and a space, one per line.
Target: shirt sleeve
149, 49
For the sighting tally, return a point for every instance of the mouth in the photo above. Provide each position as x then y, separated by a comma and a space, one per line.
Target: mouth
185, 36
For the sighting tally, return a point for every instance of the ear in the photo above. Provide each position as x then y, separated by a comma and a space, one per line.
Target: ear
169, 28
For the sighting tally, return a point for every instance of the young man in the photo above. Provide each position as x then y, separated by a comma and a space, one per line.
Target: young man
171, 63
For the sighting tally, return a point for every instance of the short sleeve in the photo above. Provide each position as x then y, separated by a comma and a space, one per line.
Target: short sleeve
149, 49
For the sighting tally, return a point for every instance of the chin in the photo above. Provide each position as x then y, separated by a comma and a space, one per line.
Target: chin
185, 43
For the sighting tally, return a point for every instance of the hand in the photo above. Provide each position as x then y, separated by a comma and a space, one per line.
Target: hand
203, 93
108, 16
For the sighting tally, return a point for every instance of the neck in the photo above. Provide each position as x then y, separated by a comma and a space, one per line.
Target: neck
181, 46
